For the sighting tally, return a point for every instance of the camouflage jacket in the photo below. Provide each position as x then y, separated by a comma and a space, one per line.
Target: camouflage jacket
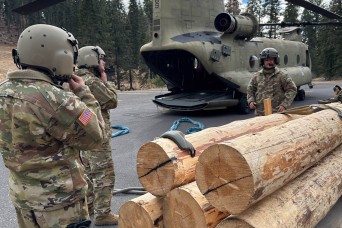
277, 86
104, 92
42, 130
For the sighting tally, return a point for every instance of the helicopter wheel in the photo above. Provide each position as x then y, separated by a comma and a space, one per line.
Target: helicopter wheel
243, 106
301, 95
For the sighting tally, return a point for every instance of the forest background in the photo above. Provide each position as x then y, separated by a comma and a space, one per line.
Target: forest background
122, 29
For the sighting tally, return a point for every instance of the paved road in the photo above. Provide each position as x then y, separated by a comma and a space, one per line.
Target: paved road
146, 122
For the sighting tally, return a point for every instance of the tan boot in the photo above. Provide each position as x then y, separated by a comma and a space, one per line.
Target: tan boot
104, 220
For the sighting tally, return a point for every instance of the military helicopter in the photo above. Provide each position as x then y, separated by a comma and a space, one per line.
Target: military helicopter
206, 57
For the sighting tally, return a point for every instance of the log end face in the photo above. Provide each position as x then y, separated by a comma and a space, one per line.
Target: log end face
155, 169
182, 210
225, 178
132, 215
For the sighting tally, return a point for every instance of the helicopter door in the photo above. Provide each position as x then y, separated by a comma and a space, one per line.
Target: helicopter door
308, 59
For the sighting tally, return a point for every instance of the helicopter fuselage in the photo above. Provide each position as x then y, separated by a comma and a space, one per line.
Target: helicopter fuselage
200, 62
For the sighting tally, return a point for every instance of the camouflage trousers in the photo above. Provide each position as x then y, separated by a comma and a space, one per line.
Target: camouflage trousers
99, 168
74, 213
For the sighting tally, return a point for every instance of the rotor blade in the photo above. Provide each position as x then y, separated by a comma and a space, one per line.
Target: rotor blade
304, 23
315, 8
35, 6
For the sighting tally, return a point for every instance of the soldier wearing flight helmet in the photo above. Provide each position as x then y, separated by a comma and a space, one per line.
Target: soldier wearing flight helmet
270, 82
43, 128
99, 162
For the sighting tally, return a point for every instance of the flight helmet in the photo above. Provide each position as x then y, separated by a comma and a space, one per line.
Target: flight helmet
47, 48
269, 53
89, 56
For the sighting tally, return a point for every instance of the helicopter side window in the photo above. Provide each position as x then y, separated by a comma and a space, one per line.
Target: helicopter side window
252, 61
286, 59
298, 59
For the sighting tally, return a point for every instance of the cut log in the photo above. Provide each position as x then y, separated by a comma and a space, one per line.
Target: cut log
162, 166
301, 203
235, 174
186, 207
142, 212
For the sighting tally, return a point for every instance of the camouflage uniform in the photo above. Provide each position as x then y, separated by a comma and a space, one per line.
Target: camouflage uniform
43, 128
101, 170
336, 98
272, 84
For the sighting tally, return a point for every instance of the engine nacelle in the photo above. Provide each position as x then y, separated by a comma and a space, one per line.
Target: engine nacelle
244, 26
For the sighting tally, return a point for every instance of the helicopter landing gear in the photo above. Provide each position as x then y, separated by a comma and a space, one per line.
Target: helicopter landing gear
243, 106
300, 95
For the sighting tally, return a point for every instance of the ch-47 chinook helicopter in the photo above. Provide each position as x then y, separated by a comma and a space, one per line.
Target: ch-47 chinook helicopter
207, 57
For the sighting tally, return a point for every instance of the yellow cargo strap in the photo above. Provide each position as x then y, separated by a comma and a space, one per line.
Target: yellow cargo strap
309, 109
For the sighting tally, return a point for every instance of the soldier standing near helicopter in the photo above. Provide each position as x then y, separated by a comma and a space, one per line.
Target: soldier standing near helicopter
98, 162
272, 83
43, 128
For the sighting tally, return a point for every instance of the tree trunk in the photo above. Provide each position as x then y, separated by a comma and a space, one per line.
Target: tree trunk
142, 212
235, 174
301, 203
162, 166
186, 207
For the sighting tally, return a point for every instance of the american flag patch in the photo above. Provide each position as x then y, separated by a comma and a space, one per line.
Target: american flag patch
86, 116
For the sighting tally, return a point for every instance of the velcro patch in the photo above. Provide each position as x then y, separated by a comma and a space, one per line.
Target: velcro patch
86, 116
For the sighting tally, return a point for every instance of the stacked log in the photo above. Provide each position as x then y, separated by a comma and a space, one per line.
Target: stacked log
162, 166
238, 166
144, 211
237, 173
301, 203
186, 207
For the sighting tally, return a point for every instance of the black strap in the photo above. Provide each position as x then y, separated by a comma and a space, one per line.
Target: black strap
178, 138
82, 224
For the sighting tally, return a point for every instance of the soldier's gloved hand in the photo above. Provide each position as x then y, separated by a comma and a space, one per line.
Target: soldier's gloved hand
75, 82
281, 108
252, 105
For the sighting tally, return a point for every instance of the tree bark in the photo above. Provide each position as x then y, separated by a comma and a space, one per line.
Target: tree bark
186, 207
144, 211
302, 203
162, 166
235, 174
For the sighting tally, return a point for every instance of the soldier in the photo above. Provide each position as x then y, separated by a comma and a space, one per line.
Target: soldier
43, 128
272, 83
337, 96
100, 169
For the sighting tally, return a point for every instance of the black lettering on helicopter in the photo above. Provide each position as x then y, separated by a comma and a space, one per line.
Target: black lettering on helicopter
156, 4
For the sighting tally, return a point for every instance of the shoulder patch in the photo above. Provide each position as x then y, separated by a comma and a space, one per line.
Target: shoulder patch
86, 116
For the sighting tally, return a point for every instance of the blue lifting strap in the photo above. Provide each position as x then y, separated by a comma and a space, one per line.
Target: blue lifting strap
190, 130
122, 130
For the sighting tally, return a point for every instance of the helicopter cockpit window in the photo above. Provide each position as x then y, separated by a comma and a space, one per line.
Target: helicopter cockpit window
286, 59
252, 61
298, 59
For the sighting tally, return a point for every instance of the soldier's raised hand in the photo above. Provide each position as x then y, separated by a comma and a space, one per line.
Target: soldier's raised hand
75, 82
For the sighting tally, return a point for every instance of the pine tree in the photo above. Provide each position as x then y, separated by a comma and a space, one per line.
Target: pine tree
272, 11
291, 13
232, 7
330, 56
311, 35
254, 7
